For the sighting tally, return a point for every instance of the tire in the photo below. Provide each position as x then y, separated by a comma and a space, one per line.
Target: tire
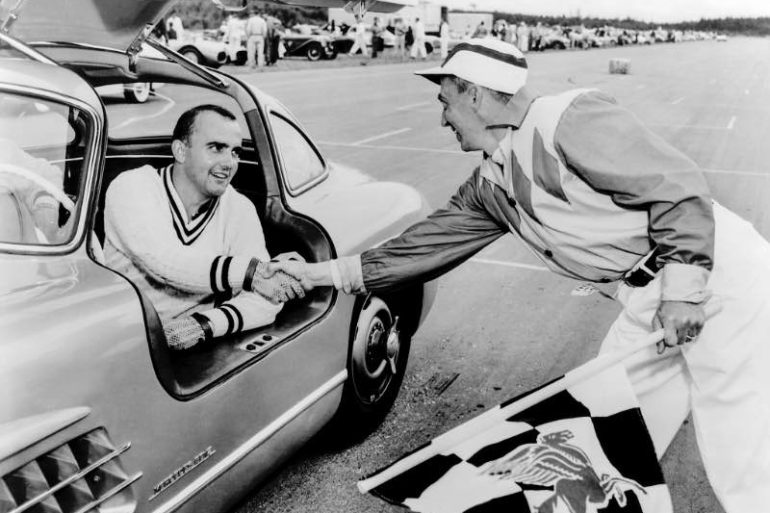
192, 54
137, 93
371, 387
314, 52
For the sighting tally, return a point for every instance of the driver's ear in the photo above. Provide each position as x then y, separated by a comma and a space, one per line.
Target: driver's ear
178, 149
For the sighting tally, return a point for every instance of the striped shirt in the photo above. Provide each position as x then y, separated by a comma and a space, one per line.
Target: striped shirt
585, 185
186, 265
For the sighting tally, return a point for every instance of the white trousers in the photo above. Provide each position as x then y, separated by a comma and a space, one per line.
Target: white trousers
418, 47
255, 47
723, 378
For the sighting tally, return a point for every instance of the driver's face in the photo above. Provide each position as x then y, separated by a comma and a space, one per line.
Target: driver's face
212, 153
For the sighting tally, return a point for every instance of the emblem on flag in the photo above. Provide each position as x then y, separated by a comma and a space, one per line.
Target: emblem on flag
581, 449
553, 462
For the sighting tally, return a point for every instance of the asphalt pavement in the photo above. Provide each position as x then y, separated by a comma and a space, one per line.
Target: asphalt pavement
502, 324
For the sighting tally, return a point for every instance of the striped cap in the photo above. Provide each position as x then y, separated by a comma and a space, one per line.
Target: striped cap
486, 62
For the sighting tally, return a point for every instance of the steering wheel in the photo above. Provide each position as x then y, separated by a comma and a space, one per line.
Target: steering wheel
41, 182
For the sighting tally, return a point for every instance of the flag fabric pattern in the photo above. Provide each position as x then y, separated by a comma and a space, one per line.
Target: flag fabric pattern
583, 450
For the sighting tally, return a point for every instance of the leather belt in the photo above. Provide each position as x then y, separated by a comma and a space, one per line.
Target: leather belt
644, 271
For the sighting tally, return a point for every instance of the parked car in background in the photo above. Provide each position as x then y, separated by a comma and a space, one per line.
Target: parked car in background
721, 38
555, 39
202, 48
97, 413
310, 42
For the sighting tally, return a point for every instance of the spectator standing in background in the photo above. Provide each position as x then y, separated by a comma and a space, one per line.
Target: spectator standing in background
400, 32
419, 40
174, 27
537, 36
234, 36
443, 33
522, 37
359, 43
256, 30
377, 41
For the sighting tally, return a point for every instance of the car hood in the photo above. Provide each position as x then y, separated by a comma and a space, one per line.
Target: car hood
111, 23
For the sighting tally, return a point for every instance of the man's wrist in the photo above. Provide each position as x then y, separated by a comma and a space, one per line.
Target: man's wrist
205, 323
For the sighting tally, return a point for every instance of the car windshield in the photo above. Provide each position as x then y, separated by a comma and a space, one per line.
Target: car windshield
42, 146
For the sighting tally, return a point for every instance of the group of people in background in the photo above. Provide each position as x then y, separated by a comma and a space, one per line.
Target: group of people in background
261, 36
524, 37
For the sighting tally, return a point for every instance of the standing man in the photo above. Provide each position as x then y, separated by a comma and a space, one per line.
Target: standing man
400, 33
174, 26
443, 33
418, 47
189, 241
598, 197
359, 43
256, 30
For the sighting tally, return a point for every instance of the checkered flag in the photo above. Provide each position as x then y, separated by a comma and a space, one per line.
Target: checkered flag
584, 449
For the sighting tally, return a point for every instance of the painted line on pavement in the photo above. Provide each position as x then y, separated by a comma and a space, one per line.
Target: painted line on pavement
381, 136
765, 174
678, 100
696, 127
413, 105
731, 124
160, 112
517, 265
396, 148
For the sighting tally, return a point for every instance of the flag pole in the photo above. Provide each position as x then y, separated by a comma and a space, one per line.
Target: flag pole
498, 414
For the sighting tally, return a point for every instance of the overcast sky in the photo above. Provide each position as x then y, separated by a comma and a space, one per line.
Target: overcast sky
646, 10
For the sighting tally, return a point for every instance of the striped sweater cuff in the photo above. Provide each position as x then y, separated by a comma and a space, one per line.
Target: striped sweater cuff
227, 273
225, 320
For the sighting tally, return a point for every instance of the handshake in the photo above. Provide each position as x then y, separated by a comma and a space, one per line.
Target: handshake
289, 277
283, 279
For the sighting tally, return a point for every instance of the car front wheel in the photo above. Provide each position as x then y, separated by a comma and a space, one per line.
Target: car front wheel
192, 54
376, 366
137, 93
314, 52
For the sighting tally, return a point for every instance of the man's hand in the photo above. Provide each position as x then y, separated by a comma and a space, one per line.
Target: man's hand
275, 285
681, 321
183, 333
306, 274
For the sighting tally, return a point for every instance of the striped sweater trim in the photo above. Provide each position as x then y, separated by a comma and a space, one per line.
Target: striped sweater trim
234, 318
219, 274
187, 231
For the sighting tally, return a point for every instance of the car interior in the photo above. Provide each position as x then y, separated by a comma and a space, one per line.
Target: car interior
188, 373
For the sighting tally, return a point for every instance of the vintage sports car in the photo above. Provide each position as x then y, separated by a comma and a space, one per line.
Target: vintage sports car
96, 413
201, 49
306, 43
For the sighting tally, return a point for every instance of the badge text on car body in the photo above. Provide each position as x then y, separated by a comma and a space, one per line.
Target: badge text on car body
182, 471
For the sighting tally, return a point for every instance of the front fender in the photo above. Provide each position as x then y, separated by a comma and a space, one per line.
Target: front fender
358, 212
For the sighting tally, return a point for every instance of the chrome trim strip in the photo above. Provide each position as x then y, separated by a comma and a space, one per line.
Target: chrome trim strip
93, 466
90, 167
110, 494
251, 444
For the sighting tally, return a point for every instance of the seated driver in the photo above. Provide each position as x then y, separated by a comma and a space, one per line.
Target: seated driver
192, 243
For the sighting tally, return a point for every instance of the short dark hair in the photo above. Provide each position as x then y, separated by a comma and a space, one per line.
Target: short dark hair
186, 122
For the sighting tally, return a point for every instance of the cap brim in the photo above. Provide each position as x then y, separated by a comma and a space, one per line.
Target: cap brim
434, 74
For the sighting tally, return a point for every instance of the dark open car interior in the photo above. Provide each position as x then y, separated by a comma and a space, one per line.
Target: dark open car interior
185, 374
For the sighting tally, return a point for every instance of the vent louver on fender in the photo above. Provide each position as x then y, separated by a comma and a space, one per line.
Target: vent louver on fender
82, 476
